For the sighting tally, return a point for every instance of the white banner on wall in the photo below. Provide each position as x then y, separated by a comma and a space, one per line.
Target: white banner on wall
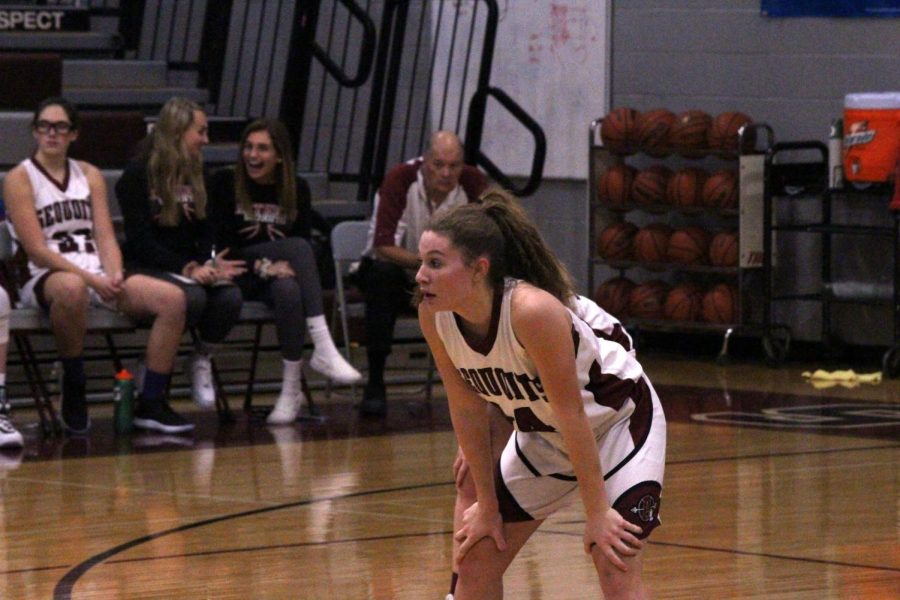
551, 57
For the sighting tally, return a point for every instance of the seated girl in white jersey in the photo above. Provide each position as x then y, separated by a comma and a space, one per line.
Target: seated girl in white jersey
59, 215
495, 309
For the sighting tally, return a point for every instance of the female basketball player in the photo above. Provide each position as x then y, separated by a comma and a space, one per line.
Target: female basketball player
58, 211
168, 235
604, 325
495, 309
264, 215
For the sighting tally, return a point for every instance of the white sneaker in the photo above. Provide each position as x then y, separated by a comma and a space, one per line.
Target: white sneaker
10, 437
449, 597
334, 366
202, 390
287, 407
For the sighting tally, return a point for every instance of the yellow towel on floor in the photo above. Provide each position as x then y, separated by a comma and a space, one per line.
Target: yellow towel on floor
849, 378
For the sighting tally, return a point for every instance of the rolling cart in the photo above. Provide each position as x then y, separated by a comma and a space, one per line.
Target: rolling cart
792, 181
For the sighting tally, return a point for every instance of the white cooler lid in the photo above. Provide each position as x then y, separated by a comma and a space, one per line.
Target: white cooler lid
873, 100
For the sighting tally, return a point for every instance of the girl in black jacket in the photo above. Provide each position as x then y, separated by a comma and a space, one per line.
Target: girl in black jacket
168, 235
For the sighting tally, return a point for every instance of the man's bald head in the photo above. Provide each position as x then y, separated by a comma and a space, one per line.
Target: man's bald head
443, 164
443, 141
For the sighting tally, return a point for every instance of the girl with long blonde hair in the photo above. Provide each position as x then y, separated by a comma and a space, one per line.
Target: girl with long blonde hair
163, 199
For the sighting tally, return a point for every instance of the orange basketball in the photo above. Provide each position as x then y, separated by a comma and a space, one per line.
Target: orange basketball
689, 132
684, 302
686, 187
618, 129
720, 304
612, 295
723, 133
614, 187
651, 242
689, 246
652, 131
721, 189
649, 185
723, 249
616, 241
647, 299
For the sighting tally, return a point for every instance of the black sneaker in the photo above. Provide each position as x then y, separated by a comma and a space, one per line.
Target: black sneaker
374, 402
73, 409
157, 415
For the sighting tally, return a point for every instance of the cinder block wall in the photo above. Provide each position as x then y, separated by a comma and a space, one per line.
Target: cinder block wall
793, 74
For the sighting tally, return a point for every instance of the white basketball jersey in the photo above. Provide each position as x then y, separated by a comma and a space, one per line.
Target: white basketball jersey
613, 387
65, 216
601, 322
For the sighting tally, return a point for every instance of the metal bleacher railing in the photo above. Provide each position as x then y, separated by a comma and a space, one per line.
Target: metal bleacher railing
359, 83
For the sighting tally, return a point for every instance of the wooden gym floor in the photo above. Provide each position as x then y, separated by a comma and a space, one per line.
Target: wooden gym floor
774, 490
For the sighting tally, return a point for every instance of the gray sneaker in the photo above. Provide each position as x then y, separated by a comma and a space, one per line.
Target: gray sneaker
202, 390
10, 437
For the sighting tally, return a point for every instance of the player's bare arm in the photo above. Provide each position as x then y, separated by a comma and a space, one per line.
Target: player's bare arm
472, 429
18, 196
104, 232
543, 326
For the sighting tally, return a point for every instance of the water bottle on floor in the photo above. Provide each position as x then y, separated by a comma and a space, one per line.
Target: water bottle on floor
123, 398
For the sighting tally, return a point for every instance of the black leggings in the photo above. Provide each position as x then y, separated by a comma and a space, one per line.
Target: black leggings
388, 289
292, 299
212, 309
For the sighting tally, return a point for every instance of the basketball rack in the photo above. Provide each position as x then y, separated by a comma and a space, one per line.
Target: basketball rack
755, 140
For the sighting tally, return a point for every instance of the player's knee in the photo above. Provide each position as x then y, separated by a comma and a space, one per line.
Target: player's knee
477, 569
171, 301
615, 582
67, 291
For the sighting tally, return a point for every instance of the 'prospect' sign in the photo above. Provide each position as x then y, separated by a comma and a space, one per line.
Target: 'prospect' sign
33, 19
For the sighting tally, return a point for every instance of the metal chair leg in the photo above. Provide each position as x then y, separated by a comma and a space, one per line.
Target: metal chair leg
50, 424
251, 376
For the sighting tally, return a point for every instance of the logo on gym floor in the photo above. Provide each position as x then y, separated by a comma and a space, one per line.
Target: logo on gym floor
847, 415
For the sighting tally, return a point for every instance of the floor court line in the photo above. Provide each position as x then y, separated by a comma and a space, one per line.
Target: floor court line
735, 551
63, 589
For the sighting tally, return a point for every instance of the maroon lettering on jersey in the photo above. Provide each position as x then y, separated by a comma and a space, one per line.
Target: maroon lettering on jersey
487, 378
508, 383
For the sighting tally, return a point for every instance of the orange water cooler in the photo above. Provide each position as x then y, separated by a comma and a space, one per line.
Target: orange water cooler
871, 146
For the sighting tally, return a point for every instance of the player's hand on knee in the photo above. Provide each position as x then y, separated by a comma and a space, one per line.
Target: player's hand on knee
612, 536
479, 524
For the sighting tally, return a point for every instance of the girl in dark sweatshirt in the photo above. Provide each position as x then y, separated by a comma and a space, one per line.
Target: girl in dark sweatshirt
262, 212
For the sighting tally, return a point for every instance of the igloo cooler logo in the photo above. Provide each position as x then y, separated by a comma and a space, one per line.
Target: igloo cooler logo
859, 134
